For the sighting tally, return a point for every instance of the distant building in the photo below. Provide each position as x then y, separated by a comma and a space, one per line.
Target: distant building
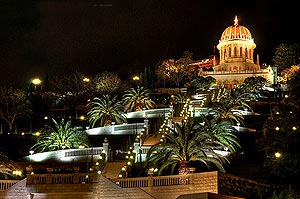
236, 58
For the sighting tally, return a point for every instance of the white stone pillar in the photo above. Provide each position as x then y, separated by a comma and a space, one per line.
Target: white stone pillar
105, 145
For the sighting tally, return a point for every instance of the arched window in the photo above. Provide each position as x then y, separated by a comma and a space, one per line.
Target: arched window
241, 52
234, 51
246, 53
229, 52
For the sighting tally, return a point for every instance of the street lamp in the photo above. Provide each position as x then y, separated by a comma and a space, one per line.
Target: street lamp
34, 83
136, 80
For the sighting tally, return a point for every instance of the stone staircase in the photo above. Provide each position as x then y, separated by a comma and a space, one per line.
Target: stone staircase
112, 169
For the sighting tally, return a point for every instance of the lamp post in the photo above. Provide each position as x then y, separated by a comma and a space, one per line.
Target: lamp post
35, 83
31, 153
136, 79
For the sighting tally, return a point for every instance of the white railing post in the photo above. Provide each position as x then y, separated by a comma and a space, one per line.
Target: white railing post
105, 148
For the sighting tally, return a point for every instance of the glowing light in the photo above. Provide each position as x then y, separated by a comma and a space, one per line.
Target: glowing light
36, 81
277, 155
18, 173
37, 133
82, 117
277, 128
86, 79
236, 21
294, 128
136, 78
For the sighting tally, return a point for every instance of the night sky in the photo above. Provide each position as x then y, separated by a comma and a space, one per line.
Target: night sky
63, 36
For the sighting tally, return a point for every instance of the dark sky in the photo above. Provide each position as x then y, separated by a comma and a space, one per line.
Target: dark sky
63, 36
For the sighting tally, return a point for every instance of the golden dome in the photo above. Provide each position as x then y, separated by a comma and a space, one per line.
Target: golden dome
236, 32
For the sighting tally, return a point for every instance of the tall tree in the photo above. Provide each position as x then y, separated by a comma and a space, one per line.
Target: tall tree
293, 90
280, 144
14, 105
176, 71
71, 90
285, 56
200, 83
289, 73
106, 83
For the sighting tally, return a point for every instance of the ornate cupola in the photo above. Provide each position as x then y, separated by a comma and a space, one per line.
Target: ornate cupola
236, 45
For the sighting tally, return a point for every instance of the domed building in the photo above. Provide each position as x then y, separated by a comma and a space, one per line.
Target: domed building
236, 58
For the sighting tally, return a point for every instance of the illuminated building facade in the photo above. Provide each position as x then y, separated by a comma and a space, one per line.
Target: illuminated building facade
236, 58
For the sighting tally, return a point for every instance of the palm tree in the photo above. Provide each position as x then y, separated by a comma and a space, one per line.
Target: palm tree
235, 99
254, 85
224, 112
61, 136
182, 146
137, 99
105, 110
222, 132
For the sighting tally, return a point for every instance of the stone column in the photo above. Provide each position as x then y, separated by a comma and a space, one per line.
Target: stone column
105, 145
146, 124
136, 149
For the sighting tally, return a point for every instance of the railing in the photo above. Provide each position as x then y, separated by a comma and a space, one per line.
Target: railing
83, 178
74, 178
84, 152
125, 129
6, 184
128, 127
154, 181
66, 155
235, 72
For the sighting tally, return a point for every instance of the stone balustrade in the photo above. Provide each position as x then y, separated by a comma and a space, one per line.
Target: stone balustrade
152, 181
73, 178
168, 187
6, 184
